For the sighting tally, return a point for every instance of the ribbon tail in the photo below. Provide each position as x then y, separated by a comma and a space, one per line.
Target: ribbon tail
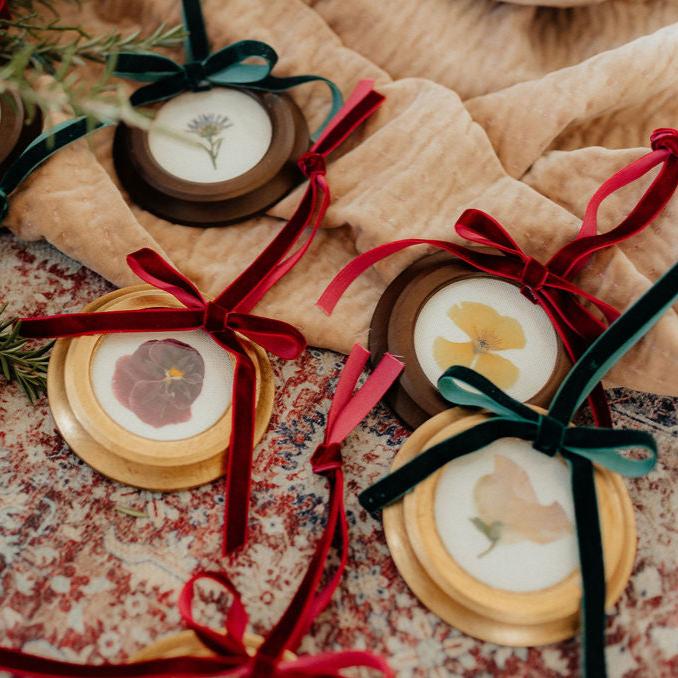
570, 259
34, 666
196, 44
331, 663
402, 480
241, 445
591, 566
110, 322
610, 346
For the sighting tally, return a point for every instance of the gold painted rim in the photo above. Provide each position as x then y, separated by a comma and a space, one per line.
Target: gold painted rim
120, 454
187, 644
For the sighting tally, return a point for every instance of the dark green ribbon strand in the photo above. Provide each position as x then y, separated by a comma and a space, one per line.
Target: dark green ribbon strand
230, 66
609, 347
551, 434
40, 149
196, 45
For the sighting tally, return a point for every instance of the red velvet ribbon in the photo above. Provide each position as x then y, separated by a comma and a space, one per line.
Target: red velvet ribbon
348, 408
228, 316
549, 285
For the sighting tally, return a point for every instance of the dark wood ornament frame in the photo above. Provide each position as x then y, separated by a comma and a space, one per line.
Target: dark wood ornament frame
17, 128
218, 203
413, 398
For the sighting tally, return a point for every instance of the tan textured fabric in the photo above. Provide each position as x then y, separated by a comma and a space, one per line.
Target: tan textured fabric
502, 106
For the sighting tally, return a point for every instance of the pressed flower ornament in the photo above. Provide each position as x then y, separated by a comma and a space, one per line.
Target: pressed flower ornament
157, 382
468, 471
476, 296
225, 140
203, 651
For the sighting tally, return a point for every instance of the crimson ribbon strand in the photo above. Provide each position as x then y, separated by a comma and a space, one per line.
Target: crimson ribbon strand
228, 316
348, 409
549, 285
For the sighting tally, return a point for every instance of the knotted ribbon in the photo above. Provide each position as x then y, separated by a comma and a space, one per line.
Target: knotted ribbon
346, 412
228, 67
549, 285
228, 316
39, 150
551, 434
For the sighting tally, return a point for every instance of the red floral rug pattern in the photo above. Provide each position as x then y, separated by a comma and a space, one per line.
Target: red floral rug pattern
82, 579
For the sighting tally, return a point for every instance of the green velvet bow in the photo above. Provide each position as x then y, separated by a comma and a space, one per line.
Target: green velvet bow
227, 67
551, 434
41, 148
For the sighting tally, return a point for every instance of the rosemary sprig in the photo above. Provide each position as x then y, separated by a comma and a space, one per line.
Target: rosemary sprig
35, 41
20, 363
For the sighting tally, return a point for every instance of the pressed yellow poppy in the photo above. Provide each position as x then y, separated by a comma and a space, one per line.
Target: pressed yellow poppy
488, 332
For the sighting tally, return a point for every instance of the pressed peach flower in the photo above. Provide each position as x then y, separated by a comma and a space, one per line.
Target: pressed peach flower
509, 510
488, 332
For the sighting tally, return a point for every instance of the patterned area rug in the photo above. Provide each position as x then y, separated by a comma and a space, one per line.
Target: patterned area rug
83, 580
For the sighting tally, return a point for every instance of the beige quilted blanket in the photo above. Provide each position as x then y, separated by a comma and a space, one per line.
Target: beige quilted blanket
518, 109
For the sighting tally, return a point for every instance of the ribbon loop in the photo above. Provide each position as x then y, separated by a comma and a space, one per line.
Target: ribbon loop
550, 435
665, 138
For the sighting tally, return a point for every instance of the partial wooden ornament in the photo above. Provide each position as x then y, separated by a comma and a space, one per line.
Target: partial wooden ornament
114, 451
18, 128
187, 644
414, 398
167, 191
517, 619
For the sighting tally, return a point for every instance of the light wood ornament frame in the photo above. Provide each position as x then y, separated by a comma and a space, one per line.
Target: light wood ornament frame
120, 454
504, 617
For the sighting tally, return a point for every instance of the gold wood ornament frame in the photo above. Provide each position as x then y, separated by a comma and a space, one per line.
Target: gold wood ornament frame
118, 453
519, 619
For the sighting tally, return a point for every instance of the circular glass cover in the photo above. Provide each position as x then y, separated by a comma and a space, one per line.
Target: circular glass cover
488, 325
210, 136
505, 514
162, 385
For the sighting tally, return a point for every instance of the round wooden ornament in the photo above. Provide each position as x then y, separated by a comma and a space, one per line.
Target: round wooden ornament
214, 157
152, 409
439, 312
187, 644
488, 542
17, 128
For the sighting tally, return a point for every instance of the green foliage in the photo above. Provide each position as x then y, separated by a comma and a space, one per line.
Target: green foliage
34, 40
21, 363
492, 532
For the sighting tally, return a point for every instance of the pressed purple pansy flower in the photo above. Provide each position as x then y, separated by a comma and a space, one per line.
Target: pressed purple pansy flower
160, 381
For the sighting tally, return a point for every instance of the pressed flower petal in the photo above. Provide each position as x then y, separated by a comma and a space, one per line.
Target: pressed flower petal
481, 321
507, 497
448, 353
500, 371
124, 378
155, 405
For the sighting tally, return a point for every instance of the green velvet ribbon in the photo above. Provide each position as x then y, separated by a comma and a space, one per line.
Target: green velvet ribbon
41, 148
228, 67
551, 434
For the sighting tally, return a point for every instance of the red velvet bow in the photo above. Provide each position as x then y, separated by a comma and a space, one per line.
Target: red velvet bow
549, 284
229, 314
233, 659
